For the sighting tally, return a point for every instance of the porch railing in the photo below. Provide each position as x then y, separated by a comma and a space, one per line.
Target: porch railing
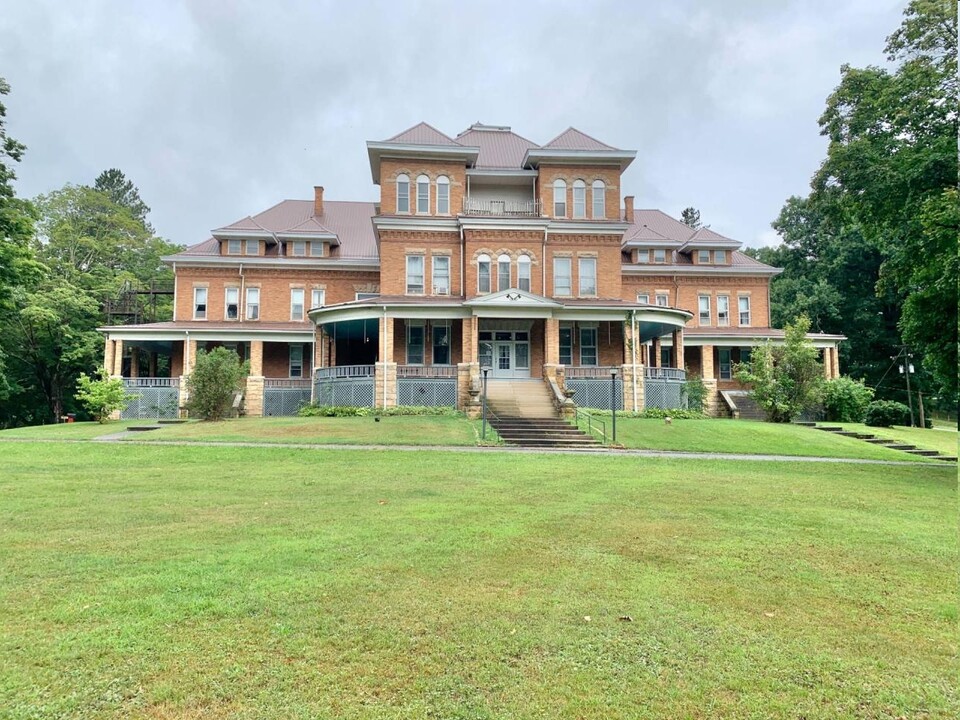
427, 371
664, 373
501, 208
344, 371
143, 382
286, 383
598, 371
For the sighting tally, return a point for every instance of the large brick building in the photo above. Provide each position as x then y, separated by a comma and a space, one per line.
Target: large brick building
485, 251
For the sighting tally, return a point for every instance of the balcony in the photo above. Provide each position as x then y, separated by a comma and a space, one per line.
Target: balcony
501, 208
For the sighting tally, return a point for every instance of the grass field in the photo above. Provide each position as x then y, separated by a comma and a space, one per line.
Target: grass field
204, 582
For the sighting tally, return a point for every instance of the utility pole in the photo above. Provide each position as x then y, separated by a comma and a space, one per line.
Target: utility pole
907, 369
923, 420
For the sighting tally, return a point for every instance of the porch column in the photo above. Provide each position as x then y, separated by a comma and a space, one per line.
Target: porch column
118, 358
108, 349
827, 363
152, 364
551, 351
135, 362
253, 393
468, 370
385, 382
655, 353
836, 361
189, 353
678, 349
709, 380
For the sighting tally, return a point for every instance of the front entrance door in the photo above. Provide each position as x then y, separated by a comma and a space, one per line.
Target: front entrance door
506, 353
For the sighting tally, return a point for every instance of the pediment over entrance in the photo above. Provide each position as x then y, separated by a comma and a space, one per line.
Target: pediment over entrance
512, 298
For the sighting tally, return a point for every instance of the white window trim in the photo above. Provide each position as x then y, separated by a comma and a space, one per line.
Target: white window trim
234, 243
443, 181
740, 313
581, 212
666, 301
315, 245
572, 330
294, 245
595, 345
645, 296
255, 244
433, 346
423, 273
643, 257
425, 181
723, 322
700, 254
657, 252
709, 319
423, 342
569, 276
247, 304
227, 303
559, 185
206, 303
524, 267
302, 303
580, 276
720, 257
488, 261
598, 185
433, 273
323, 297
505, 260
290, 360
403, 179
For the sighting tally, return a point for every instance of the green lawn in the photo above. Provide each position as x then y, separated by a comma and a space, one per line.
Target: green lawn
161, 582
744, 436
70, 431
942, 440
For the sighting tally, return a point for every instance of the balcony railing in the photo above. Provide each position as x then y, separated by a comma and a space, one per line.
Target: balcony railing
426, 371
344, 371
597, 371
664, 373
501, 208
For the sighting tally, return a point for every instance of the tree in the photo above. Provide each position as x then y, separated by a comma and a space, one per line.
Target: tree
102, 395
124, 193
690, 217
216, 377
785, 379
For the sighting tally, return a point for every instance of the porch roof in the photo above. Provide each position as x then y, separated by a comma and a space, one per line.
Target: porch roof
212, 330
735, 336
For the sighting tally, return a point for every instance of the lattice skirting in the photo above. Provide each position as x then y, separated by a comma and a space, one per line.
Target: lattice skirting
284, 402
156, 403
427, 391
350, 392
666, 394
595, 392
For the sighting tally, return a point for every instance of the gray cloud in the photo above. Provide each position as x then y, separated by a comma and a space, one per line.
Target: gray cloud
220, 109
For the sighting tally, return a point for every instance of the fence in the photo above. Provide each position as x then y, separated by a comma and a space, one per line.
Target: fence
156, 399
595, 392
427, 391
347, 385
285, 397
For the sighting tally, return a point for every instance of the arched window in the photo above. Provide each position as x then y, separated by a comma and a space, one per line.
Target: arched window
559, 198
483, 274
503, 272
599, 200
523, 272
423, 195
403, 194
443, 195
579, 199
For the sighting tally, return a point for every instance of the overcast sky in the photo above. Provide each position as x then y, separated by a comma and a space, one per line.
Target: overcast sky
217, 110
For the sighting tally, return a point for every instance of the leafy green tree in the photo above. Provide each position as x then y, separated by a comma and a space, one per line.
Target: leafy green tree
124, 193
690, 217
101, 395
846, 399
785, 379
216, 377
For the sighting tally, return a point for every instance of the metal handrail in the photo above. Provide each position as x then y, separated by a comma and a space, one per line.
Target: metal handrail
602, 430
500, 208
344, 371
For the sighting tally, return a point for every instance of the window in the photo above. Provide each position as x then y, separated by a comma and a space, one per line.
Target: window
231, 303
414, 274
316, 249
253, 303
523, 272
443, 195
599, 200
659, 256
297, 248
666, 357
643, 298
579, 199
234, 247
296, 304
704, 302
663, 299
252, 247
588, 276
559, 198
720, 257
743, 303
723, 310
200, 303
588, 346
643, 256
745, 354
296, 361
441, 344
403, 194
415, 344
423, 195
318, 297
441, 275
724, 363
562, 282
566, 345
365, 295
483, 274
503, 272
703, 257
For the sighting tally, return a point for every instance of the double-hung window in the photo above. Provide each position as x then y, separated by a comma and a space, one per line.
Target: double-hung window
643, 298
566, 345
415, 343
588, 346
744, 306
704, 303
503, 272
643, 256
559, 198
403, 194
200, 303
423, 195
599, 200
296, 361
588, 276
231, 303
562, 280
703, 257
659, 256
316, 249
523, 272
441, 275
251, 247
579, 199
318, 297
297, 248
443, 195
441, 344
483, 274
723, 355
234, 247
414, 274
663, 299
723, 310
720, 257
296, 303
253, 303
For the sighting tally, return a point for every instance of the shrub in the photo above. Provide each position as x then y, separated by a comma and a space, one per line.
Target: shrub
216, 377
846, 399
351, 411
887, 413
653, 413
695, 391
103, 395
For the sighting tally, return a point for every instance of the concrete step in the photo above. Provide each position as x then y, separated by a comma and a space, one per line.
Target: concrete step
881, 441
902, 447
947, 458
804, 423
923, 453
830, 428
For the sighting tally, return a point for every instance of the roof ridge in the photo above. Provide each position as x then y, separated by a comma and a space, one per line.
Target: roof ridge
426, 125
579, 132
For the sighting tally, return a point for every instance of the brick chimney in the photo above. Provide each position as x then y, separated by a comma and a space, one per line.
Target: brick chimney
627, 208
317, 200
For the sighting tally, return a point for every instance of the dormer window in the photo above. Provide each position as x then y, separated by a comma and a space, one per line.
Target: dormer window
703, 257
423, 195
403, 194
579, 199
297, 248
251, 247
559, 198
316, 249
234, 247
599, 200
643, 256
720, 257
443, 195
660, 256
